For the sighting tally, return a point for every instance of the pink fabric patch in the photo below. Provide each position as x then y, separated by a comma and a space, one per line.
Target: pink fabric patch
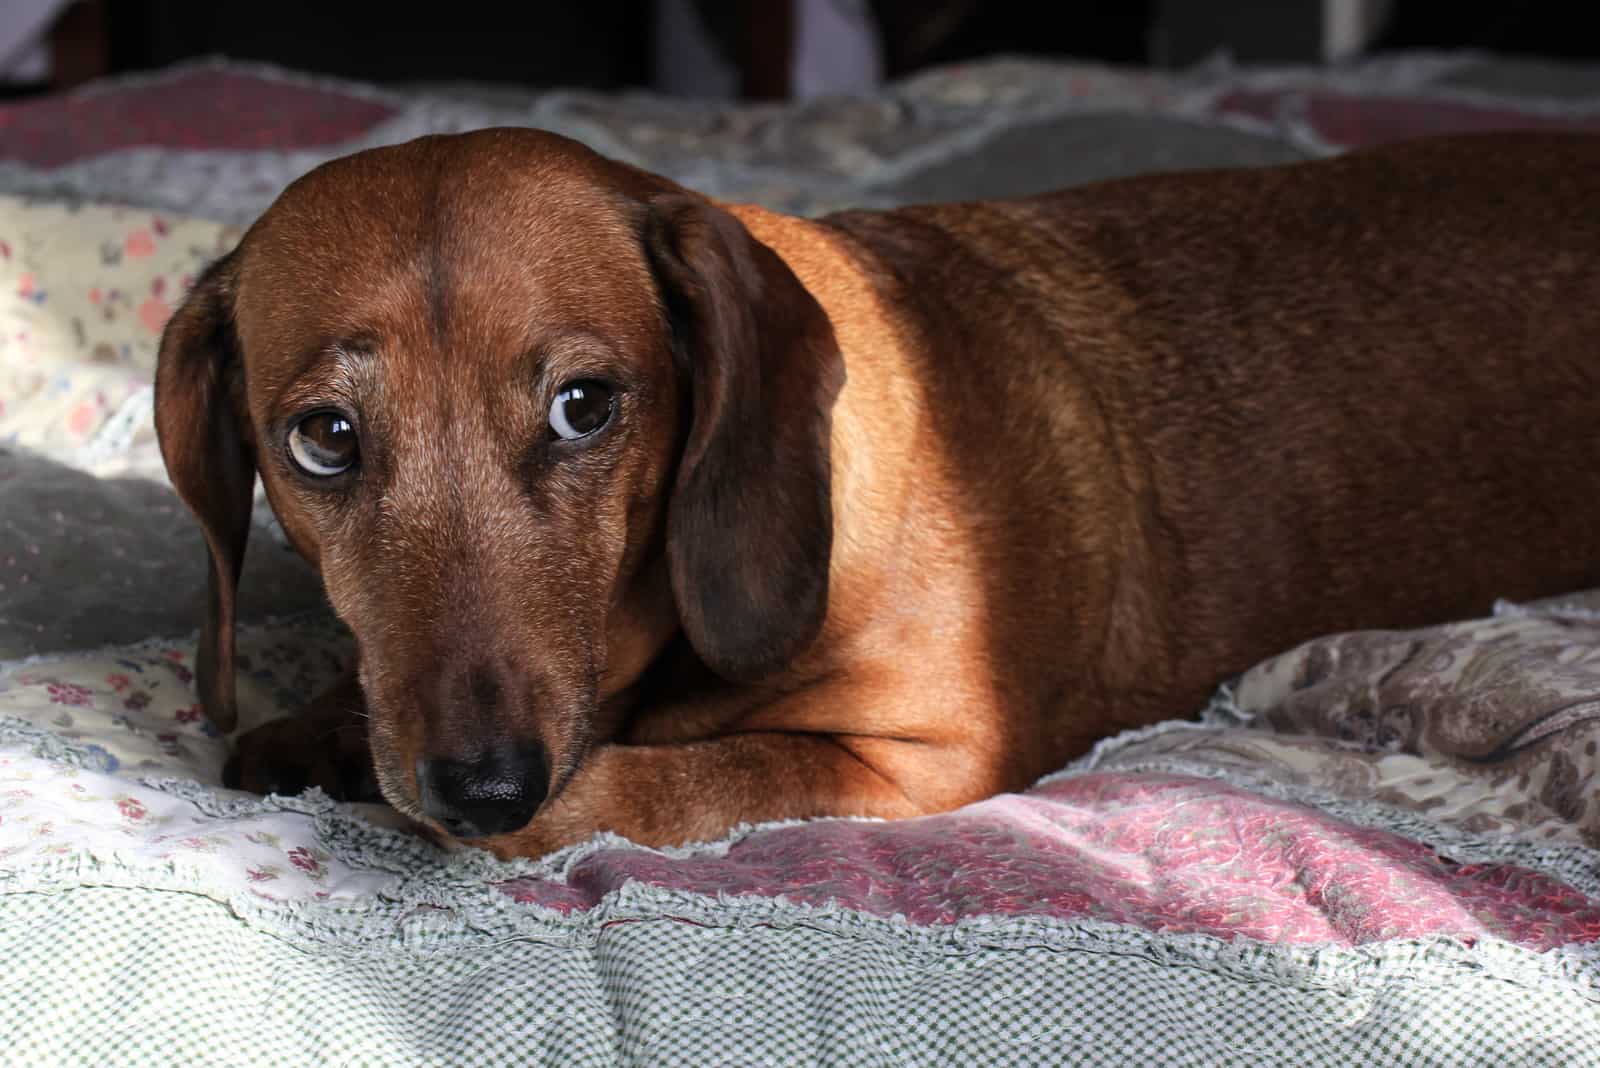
82, 418
193, 109
154, 313
1163, 852
1350, 121
139, 244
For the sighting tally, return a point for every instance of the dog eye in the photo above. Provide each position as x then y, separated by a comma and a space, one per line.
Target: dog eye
580, 409
323, 444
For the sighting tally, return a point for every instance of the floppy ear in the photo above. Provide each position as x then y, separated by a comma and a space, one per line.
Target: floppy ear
750, 521
208, 448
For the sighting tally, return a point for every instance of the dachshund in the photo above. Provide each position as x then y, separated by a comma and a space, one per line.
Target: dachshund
660, 515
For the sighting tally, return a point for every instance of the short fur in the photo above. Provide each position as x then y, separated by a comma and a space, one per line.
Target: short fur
898, 509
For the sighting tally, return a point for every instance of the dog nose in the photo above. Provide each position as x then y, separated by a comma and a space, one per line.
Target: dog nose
495, 793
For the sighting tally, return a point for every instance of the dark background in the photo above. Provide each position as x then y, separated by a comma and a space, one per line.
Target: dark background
607, 44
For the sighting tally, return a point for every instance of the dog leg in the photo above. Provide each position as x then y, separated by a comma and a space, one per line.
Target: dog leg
325, 745
661, 795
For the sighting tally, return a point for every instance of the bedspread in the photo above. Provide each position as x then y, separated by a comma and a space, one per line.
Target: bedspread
1375, 848
1143, 906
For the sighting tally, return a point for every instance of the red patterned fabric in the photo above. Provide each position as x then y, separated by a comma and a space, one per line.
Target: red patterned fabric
202, 108
1168, 853
1346, 120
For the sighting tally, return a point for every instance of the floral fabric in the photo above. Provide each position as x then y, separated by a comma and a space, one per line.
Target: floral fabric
85, 290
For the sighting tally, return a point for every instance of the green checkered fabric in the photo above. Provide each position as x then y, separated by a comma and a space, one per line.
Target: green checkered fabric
117, 975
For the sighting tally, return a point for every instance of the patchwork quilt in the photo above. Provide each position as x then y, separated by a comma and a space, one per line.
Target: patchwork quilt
1407, 891
1377, 848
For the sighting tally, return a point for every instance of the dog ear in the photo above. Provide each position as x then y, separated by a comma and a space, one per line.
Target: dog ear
750, 520
208, 448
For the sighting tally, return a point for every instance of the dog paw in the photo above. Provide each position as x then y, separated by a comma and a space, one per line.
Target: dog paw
288, 756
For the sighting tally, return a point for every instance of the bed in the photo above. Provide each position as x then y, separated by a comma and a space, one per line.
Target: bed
1379, 847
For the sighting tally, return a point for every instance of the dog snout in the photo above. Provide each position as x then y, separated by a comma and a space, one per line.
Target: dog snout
492, 793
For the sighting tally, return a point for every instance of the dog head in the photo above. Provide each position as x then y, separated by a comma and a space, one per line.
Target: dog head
533, 414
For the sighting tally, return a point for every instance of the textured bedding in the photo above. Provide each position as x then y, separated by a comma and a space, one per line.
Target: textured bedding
1107, 915
1376, 848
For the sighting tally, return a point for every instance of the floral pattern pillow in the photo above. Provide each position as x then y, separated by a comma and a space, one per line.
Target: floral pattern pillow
85, 290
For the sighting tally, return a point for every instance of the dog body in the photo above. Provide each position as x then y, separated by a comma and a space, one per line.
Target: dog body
876, 514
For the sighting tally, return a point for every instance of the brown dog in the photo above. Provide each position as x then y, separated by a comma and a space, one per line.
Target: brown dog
657, 515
